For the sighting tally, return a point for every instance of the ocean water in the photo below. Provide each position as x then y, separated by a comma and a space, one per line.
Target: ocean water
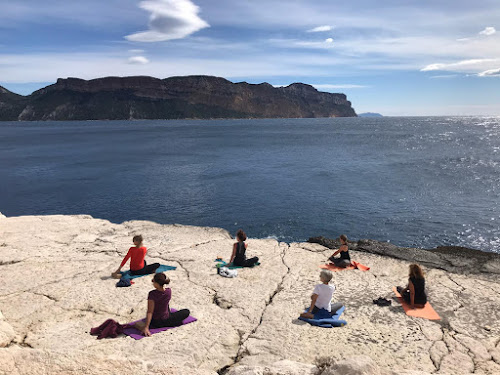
413, 181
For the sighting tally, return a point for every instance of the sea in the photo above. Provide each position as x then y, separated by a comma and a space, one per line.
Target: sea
412, 181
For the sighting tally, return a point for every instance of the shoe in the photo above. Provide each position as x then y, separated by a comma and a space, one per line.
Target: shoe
382, 302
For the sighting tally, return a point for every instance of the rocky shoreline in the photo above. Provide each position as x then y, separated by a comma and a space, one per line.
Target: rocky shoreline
450, 258
56, 286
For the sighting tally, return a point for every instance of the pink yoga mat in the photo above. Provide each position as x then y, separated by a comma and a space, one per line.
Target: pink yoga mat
136, 334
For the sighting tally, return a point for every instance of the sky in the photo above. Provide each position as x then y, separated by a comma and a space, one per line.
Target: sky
394, 57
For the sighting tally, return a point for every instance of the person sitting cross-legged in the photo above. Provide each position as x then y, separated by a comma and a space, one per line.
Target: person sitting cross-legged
158, 313
322, 295
136, 254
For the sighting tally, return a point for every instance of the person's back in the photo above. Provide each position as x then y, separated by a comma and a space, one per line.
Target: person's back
325, 295
240, 253
419, 287
162, 299
238, 257
137, 255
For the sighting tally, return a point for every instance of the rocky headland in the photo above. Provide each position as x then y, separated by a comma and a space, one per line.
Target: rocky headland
142, 97
55, 286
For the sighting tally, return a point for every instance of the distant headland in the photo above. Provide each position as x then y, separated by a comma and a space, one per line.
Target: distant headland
370, 114
142, 97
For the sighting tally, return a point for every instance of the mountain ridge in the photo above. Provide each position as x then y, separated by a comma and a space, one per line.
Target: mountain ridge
144, 97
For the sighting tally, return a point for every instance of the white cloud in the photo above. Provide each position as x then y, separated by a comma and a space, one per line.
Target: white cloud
489, 73
136, 51
170, 19
471, 66
320, 29
329, 40
138, 60
444, 76
488, 31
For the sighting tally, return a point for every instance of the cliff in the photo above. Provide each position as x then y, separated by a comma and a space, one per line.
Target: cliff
56, 286
204, 97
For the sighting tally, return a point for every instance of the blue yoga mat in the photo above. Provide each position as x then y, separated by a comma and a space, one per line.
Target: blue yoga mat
162, 268
325, 320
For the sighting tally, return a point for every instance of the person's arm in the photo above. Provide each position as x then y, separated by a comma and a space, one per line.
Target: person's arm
149, 317
338, 250
412, 294
124, 260
314, 297
335, 253
233, 254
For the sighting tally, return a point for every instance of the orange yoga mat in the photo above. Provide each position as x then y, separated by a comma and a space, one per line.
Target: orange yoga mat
354, 265
426, 312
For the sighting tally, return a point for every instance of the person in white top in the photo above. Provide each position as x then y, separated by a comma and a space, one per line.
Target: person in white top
322, 295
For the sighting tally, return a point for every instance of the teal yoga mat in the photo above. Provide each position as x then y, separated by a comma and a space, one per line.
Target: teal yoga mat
162, 268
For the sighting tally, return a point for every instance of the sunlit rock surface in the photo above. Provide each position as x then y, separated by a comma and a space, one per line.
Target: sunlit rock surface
55, 286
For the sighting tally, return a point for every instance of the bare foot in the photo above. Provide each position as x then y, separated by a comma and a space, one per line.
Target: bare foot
140, 326
307, 315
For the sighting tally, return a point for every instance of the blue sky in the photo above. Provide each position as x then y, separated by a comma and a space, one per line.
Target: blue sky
396, 57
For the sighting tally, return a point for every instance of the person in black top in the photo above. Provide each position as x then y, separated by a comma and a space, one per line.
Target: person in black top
345, 258
238, 257
414, 293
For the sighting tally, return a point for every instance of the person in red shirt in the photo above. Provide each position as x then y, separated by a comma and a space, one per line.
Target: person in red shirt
138, 265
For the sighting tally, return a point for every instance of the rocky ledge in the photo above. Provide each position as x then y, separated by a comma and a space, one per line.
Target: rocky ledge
56, 286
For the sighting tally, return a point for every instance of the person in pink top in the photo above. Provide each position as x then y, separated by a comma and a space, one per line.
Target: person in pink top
159, 314
136, 254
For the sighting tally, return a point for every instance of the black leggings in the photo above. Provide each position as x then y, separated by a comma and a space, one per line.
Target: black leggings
246, 263
340, 262
174, 320
146, 270
406, 296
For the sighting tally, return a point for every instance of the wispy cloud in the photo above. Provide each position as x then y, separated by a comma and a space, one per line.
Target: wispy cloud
302, 44
320, 29
136, 51
444, 76
489, 73
170, 19
488, 31
466, 66
138, 60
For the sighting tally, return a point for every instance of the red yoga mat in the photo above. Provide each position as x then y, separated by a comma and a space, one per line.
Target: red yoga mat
354, 265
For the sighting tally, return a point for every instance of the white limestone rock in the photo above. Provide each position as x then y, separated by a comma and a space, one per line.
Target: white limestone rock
7, 333
284, 367
438, 351
56, 285
479, 352
456, 363
357, 365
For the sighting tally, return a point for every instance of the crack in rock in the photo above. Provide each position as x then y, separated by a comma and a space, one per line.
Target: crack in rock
244, 351
10, 262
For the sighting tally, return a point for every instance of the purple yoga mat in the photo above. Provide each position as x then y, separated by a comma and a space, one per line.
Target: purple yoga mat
136, 334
